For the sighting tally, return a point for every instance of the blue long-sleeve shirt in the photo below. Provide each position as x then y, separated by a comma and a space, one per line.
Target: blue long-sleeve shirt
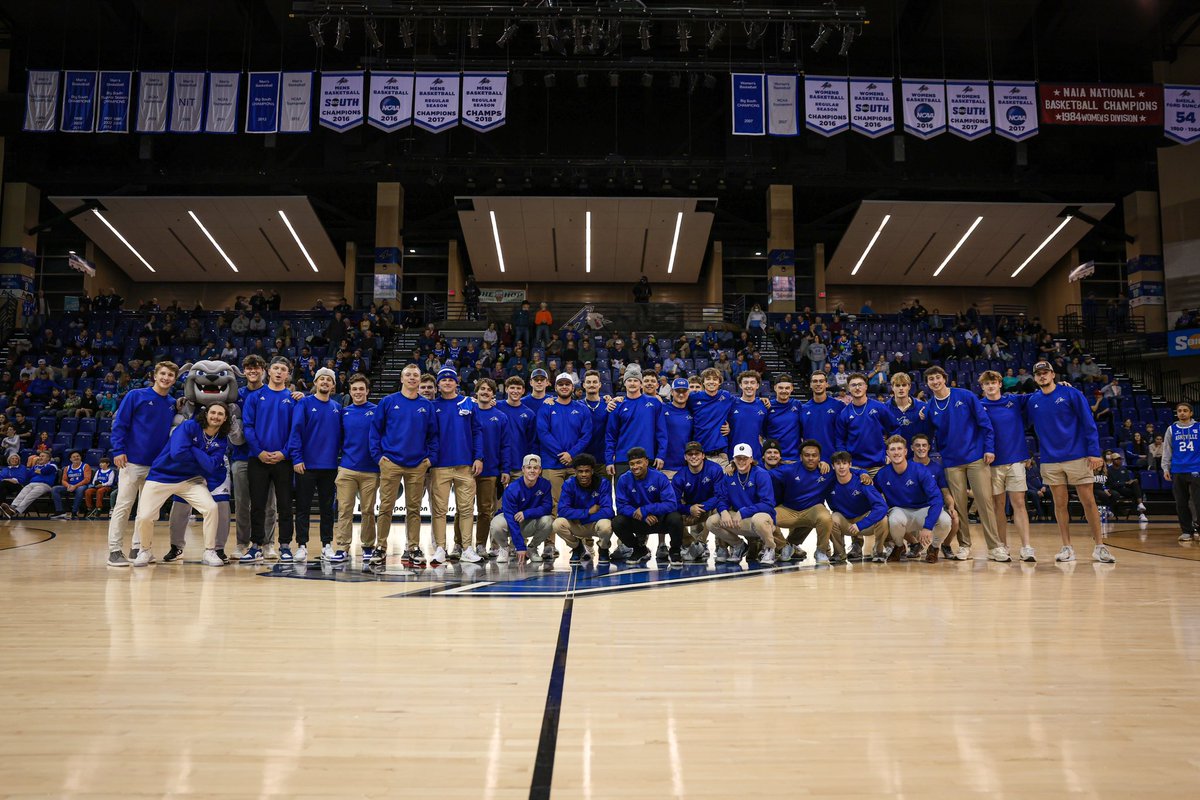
316, 436
575, 502
783, 425
497, 440
679, 432
746, 421
189, 454
599, 411
652, 494
522, 423
854, 499
635, 423
818, 421
404, 430
962, 429
1064, 425
909, 422
44, 473
267, 420
914, 488
142, 425
709, 413
356, 437
460, 439
747, 494
563, 428
692, 488
938, 470
535, 501
861, 431
1007, 416
18, 473
797, 487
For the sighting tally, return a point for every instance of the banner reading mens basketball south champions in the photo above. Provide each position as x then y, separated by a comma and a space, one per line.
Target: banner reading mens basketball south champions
341, 100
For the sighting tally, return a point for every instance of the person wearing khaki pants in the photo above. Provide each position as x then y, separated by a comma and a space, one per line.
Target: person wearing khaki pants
564, 430
459, 462
800, 490
859, 510
497, 454
696, 489
358, 473
585, 509
404, 442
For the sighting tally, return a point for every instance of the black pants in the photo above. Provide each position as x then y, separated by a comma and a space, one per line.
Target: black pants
9, 490
1186, 488
1130, 491
262, 478
320, 481
633, 532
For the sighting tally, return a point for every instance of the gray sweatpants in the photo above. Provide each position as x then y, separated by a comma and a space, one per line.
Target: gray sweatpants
180, 512
535, 531
239, 470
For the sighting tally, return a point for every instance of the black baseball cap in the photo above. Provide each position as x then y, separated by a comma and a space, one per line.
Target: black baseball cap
1043, 365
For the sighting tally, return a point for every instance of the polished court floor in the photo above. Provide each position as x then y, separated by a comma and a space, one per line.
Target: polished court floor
908, 679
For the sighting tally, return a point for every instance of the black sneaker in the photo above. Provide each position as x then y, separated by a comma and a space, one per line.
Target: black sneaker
675, 559
133, 551
641, 556
914, 550
856, 552
948, 552
661, 554
221, 555
379, 558
173, 555
602, 558
577, 554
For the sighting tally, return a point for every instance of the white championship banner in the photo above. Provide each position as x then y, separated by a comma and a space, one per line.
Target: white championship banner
222, 102
969, 110
341, 106
187, 101
390, 100
435, 107
484, 100
295, 102
783, 105
924, 108
1181, 113
154, 89
826, 104
1015, 110
41, 100
872, 106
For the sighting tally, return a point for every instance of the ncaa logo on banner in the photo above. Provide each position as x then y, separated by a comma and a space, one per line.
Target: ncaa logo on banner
1014, 109
390, 100
924, 108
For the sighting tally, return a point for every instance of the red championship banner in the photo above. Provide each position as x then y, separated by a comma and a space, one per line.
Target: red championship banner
1101, 103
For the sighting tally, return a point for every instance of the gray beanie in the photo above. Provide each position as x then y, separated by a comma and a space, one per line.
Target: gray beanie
327, 372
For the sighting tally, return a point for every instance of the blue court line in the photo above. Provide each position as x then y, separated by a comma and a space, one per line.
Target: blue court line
543, 764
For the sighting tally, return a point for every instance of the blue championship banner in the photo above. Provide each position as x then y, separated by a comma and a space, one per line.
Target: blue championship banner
1181, 118
262, 102
41, 100
79, 102
116, 90
749, 111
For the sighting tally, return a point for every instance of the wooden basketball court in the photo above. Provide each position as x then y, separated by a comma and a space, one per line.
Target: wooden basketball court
923, 680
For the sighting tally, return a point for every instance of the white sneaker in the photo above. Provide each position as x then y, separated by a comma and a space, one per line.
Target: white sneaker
271, 553
327, 552
237, 553
301, 555
1142, 519
61, 516
786, 552
737, 553
439, 556
822, 558
144, 558
535, 556
722, 555
211, 559
1066, 554
470, 556
1142, 507
964, 554
1102, 555
768, 556
1028, 556
502, 556
999, 554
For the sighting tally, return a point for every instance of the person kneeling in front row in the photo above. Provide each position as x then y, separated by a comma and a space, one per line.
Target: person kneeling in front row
525, 514
585, 510
859, 510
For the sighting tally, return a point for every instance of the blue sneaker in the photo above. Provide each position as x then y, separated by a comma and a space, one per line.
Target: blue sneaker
253, 556
338, 558
367, 553
285, 554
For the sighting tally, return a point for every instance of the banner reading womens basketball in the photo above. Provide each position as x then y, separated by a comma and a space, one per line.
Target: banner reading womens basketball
1134, 104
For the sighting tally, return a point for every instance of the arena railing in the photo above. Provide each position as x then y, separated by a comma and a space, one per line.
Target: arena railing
619, 316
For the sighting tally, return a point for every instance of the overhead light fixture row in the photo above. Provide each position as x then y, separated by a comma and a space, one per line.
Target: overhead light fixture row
220, 250
124, 241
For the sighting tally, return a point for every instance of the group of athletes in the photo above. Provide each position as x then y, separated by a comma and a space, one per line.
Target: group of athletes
561, 462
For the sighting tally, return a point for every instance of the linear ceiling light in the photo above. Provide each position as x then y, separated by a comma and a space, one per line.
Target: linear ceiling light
966, 235
496, 236
675, 242
295, 236
124, 241
588, 257
886, 218
1045, 242
200, 224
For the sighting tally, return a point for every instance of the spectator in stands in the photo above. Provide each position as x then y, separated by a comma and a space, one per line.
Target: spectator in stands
107, 406
897, 364
756, 322
521, 320
587, 350
1111, 390
642, 291
11, 442
1139, 451
542, 321
103, 482
88, 404
936, 323
23, 428
1101, 409
75, 479
258, 325
12, 478
258, 302
1155, 451
275, 301
41, 480
878, 379
240, 324
818, 353
866, 309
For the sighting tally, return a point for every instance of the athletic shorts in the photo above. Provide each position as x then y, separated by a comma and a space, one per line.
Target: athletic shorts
1071, 473
1009, 478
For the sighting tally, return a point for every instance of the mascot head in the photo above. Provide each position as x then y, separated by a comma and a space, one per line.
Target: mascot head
208, 382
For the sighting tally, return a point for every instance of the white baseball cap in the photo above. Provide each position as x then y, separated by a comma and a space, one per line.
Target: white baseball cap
532, 458
743, 450
562, 376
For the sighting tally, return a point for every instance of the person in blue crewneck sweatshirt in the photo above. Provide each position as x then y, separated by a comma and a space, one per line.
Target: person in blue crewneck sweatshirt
459, 462
696, 487
525, 517
585, 509
498, 442
635, 422
314, 446
646, 504
818, 417
1007, 415
783, 419
41, 480
915, 501
745, 509
13, 478
267, 425
862, 426
800, 490
564, 430
858, 509
357, 474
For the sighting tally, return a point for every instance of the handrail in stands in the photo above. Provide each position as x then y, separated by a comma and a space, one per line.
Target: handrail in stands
690, 316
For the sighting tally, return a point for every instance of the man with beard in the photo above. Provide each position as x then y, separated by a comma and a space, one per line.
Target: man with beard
585, 510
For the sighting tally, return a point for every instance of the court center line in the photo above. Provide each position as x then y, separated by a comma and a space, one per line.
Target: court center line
543, 764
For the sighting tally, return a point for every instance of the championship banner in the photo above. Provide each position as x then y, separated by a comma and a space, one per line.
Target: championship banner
222, 102
969, 109
484, 100
501, 295
41, 100
783, 112
1182, 105
262, 102
749, 114
341, 100
1101, 104
924, 108
1014, 106
826, 104
435, 107
872, 106
390, 100
187, 101
295, 103
116, 88
154, 89
79, 102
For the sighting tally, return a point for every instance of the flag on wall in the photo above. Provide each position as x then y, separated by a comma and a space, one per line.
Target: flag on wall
390, 100
969, 111
262, 102
221, 116
154, 90
924, 108
295, 103
749, 114
1014, 108
435, 103
79, 102
116, 89
872, 106
783, 105
484, 100
341, 100
826, 104
41, 100
187, 101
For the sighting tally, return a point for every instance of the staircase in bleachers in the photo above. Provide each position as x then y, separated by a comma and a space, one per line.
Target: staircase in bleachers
385, 377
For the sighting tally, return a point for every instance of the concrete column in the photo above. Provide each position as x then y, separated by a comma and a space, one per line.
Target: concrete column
18, 249
819, 277
455, 275
1144, 260
781, 242
349, 279
389, 228
714, 281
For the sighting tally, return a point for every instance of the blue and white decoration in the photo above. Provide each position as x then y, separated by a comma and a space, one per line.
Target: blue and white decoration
41, 100
749, 112
116, 90
783, 105
1181, 113
341, 100
262, 102
295, 103
187, 101
79, 102
484, 100
872, 106
154, 90
924, 108
390, 100
1015, 108
435, 107
970, 112
221, 116
826, 104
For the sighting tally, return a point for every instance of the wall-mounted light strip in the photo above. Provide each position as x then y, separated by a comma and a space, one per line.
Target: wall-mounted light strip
1033, 255
200, 224
966, 235
886, 218
295, 236
675, 242
496, 236
588, 238
124, 241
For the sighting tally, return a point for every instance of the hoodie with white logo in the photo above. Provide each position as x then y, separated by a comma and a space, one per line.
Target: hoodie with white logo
962, 429
404, 430
1063, 422
914, 488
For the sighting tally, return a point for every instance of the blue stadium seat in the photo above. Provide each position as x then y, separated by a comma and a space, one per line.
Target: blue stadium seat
104, 441
68, 425
92, 457
82, 442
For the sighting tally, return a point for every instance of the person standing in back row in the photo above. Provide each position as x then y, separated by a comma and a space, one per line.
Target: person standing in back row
267, 424
314, 445
255, 370
459, 462
358, 473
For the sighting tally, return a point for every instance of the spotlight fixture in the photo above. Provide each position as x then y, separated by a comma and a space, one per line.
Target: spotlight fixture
315, 30
474, 31
847, 40
581, 80
343, 33
787, 37
755, 32
471, 183
527, 183
614, 79
439, 32
666, 183
693, 82
644, 34
372, 34
510, 30
823, 34
647, 80
683, 32
406, 32
550, 80
579, 33
614, 37
716, 30
595, 37
543, 34
637, 182
693, 185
